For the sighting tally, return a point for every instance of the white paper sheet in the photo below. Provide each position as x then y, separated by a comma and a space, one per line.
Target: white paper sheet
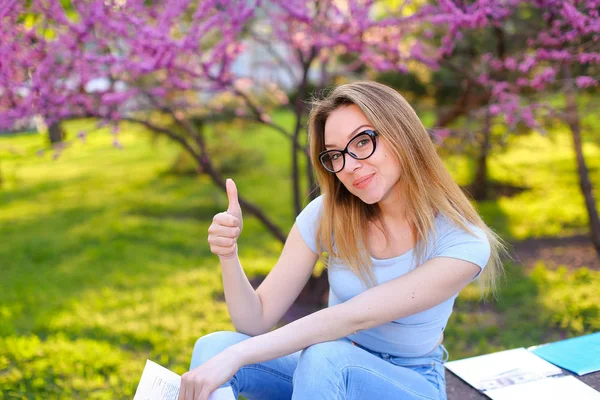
504, 368
559, 388
519, 374
159, 383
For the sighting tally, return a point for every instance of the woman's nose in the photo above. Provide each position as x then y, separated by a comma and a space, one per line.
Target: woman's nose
351, 163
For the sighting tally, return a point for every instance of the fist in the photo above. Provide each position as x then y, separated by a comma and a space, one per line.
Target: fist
226, 227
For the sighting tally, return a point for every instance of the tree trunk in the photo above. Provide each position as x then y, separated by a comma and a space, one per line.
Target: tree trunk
203, 159
313, 190
55, 133
572, 119
314, 295
295, 178
299, 111
458, 109
205, 163
481, 183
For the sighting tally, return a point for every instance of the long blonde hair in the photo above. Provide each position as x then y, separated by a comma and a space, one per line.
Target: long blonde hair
428, 186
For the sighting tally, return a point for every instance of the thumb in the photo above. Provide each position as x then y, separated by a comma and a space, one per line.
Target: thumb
232, 194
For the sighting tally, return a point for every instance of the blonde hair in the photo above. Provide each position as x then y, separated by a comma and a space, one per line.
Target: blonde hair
428, 187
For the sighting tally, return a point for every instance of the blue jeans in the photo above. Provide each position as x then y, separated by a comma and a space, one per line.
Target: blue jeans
339, 369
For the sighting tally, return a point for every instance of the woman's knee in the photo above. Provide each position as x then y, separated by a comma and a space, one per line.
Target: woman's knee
212, 344
322, 365
328, 354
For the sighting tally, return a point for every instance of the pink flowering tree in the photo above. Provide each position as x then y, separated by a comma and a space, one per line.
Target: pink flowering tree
465, 35
547, 48
123, 61
173, 57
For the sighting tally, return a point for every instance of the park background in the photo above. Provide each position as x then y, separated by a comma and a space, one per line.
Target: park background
120, 120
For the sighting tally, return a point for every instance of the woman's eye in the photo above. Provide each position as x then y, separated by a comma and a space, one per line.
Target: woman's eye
362, 142
335, 157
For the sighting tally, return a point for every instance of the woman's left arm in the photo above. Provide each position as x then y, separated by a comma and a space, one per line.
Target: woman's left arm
430, 284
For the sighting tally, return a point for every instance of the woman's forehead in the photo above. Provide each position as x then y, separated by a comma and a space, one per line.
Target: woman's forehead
343, 122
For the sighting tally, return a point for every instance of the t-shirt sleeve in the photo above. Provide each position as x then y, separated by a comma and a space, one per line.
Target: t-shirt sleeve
308, 223
455, 242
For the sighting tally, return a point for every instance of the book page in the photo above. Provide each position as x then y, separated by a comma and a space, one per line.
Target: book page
159, 383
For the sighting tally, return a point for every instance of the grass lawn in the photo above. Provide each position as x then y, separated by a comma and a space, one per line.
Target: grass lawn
104, 260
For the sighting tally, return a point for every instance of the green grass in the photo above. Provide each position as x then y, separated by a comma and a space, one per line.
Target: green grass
534, 307
104, 260
554, 205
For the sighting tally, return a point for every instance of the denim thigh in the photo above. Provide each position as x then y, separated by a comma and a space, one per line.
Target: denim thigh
341, 369
269, 380
431, 366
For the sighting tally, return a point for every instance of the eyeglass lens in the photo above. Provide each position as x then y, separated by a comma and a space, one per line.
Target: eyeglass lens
360, 147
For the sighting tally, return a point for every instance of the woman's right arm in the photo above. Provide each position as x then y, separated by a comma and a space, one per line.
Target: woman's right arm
256, 312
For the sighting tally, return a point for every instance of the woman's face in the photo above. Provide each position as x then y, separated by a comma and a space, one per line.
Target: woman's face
373, 179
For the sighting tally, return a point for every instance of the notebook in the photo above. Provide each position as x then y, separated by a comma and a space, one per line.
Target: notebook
580, 355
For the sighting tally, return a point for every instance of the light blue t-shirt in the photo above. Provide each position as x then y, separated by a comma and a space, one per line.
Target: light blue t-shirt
417, 334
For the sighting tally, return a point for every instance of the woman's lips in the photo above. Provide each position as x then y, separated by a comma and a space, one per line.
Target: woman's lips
363, 182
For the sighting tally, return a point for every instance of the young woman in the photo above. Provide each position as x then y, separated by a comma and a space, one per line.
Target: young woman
401, 240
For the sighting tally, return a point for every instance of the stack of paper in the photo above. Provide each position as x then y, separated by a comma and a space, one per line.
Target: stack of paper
519, 374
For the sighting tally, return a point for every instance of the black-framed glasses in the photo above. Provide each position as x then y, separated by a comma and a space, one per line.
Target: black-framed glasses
360, 147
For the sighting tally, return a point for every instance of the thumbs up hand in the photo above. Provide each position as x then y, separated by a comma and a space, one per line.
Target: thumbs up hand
234, 204
226, 226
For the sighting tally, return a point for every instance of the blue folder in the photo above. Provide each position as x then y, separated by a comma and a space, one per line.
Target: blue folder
580, 355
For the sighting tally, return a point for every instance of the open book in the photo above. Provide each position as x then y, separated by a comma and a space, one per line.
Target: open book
159, 383
519, 374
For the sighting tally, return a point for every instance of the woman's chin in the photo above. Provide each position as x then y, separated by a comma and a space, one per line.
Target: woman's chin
368, 198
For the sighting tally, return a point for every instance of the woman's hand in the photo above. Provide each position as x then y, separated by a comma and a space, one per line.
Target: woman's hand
200, 382
226, 227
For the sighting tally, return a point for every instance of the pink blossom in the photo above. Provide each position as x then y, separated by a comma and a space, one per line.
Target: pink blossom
527, 117
495, 109
510, 63
99, 61
115, 97
542, 79
589, 58
527, 63
143, 56
483, 79
585, 82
